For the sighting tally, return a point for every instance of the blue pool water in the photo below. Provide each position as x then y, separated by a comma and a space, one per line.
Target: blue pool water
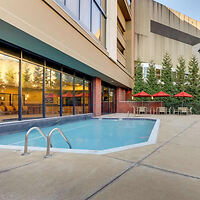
89, 134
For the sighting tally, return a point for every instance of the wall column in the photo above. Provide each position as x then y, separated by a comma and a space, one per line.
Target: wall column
121, 96
97, 96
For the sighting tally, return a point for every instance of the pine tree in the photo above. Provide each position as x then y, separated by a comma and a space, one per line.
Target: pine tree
193, 79
152, 86
26, 77
180, 75
56, 80
166, 75
38, 77
10, 78
1, 81
139, 81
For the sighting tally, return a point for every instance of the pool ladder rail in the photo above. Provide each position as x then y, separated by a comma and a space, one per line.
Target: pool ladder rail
47, 138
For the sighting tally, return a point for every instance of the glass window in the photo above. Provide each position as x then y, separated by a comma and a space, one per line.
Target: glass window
67, 94
73, 6
9, 83
103, 30
120, 47
108, 100
87, 97
105, 100
63, 2
98, 24
32, 90
96, 21
52, 92
85, 13
111, 100
158, 73
81, 11
145, 70
78, 95
102, 4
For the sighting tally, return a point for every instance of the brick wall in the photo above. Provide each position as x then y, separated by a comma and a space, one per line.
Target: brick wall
125, 106
97, 96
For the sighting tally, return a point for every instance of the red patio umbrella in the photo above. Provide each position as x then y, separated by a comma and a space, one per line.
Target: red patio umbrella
142, 94
81, 95
183, 94
161, 94
67, 95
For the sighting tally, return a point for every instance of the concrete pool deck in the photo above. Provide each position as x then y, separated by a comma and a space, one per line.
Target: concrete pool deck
166, 170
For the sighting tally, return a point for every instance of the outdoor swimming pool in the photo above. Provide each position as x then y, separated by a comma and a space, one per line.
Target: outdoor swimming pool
91, 135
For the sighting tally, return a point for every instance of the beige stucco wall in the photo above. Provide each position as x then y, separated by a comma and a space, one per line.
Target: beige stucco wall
196, 53
111, 32
36, 18
150, 46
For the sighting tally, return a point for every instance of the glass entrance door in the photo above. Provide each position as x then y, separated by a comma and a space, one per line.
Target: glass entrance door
107, 100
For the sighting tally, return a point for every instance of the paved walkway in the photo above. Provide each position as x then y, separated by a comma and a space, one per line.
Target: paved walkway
168, 170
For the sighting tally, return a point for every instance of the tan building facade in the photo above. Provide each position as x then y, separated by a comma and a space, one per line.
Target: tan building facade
159, 29
78, 37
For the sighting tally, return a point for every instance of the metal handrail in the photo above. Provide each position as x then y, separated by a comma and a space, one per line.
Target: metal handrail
49, 140
26, 138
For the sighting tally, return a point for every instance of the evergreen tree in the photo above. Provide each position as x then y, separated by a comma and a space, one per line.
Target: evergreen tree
10, 78
1, 81
152, 86
193, 78
180, 75
26, 77
38, 77
56, 79
166, 75
139, 81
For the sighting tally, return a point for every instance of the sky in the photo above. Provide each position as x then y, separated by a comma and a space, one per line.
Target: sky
190, 8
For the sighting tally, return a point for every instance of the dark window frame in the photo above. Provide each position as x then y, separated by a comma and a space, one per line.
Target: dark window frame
44, 66
78, 20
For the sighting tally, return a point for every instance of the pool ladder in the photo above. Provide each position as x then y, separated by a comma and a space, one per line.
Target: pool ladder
47, 138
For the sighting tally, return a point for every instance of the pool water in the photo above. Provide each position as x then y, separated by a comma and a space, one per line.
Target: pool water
92, 134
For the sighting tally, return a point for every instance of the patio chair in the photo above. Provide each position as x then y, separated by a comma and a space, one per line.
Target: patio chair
190, 111
152, 110
142, 110
2, 110
183, 110
170, 111
9, 109
161, 110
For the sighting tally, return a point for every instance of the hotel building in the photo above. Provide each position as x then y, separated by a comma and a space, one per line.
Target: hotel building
64, 57
159, 29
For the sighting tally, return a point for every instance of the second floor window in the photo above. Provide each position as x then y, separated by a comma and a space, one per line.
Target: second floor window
90, 14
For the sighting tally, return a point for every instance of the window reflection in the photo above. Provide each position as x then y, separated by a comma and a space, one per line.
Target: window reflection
87, 97
32, 80
98, 24
9, 82
67, 94
32, 90
85, 13
78, 95
108, 100
52, 92
73, 6
94, 21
